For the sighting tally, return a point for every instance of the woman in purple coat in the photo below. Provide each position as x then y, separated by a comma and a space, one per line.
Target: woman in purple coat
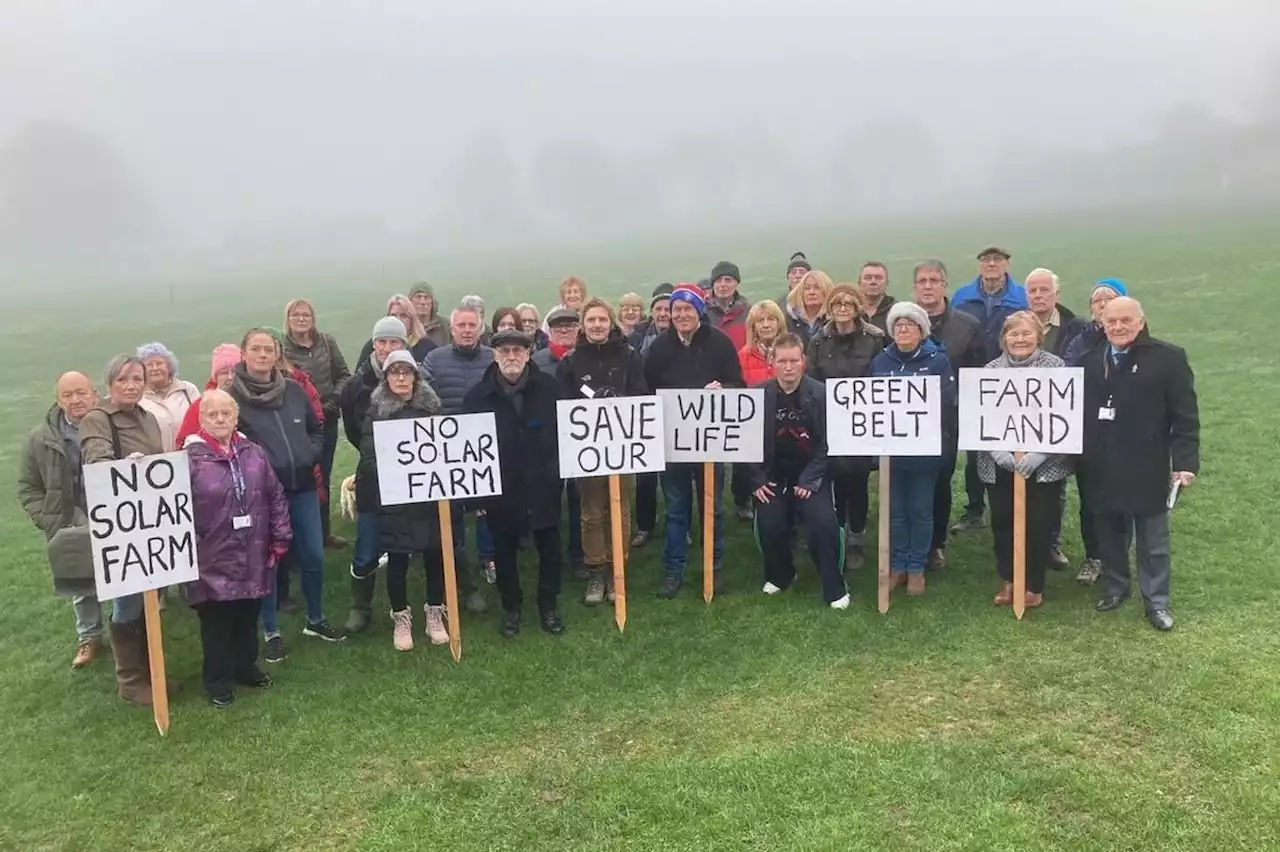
242, 531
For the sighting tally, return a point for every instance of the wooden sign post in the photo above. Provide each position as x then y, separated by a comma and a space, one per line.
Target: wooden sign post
619, 560
439, 460
1019, 544
882, 538
450, 581
708, 531
143, 540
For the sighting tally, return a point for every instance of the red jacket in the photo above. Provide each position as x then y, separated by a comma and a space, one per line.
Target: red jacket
757, 368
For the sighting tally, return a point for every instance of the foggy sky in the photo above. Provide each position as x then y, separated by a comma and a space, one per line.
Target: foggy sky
241, 112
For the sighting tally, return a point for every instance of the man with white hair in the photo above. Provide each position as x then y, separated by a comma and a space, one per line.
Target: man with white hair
1141, 441
475, 303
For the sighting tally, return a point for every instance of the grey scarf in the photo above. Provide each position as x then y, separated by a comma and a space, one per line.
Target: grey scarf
259, 393
1039, 358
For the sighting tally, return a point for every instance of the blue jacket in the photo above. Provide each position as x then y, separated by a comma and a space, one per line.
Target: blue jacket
453, 371
970, 299
928, 359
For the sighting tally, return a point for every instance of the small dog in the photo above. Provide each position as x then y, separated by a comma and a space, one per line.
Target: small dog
349, 497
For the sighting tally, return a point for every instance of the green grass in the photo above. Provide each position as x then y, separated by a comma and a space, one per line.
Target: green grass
751, 724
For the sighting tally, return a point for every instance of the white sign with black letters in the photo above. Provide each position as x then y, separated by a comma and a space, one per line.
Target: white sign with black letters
1031, 409
604, 436
884, 416
725, 425
429, 459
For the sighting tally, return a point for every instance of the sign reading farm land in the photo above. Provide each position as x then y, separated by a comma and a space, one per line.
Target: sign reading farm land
140, 526
1032, 409
884, 416
437, 458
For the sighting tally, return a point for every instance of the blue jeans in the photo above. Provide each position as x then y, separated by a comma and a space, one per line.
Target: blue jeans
88, 617
573, 500
127, 609
910, 515
308, 549
484, 540
366, 551
678, 482
327, 451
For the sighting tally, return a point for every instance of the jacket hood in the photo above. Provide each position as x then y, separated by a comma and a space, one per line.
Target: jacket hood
383, 403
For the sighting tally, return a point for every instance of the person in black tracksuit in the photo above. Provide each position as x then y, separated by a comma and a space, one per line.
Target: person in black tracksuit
523, 399
793, 478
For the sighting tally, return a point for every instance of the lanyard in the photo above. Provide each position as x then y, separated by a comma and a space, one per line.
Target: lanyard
237, 477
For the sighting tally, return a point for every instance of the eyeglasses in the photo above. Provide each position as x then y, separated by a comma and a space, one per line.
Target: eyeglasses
401, 371
844, 303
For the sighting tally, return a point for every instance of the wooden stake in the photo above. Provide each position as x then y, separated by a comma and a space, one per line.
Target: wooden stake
450, 581
708, 530
155, 657
1019, 544
619, 566
882, 543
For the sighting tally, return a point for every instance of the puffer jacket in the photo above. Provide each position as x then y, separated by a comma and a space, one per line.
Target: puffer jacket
45, 481
611, 368
109, 433
321, 360
437, 330
971, 299
453, 371
757, 367
169, 407
411, 527
927, 359
1055, 467
832, 355
235, 564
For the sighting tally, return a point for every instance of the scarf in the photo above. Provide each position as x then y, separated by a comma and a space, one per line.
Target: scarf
1039, 358
256, 392
558, 351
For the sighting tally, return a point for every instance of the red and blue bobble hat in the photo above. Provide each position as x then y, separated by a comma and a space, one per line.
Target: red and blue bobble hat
692, 294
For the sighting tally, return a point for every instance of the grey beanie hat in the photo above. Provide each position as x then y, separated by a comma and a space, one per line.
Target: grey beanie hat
390, 328
400, 356
910, 311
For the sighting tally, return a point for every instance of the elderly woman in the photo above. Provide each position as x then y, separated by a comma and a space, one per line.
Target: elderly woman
630, 313
416, 340
120, 428
427, 308
167, 397
222, 370
531, 324
806, 304
912, 478
411, 528
1021, 339
276, 414
844, 349
573, 295
765, 322
242, 530
317, 354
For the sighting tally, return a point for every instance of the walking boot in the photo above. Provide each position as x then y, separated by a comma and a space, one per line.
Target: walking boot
595, 588
128, 645
361, 605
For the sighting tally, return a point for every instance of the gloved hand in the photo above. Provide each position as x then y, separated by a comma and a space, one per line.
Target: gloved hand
1027, 465
1004, 460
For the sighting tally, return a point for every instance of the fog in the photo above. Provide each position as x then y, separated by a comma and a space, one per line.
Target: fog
141, 126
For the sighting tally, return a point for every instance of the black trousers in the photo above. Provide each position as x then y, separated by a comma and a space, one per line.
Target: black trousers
646, 501
852, 481
942, 497
822, 531
229, 638
1042, 507
506, 546
973, 485
740, 485
398, 578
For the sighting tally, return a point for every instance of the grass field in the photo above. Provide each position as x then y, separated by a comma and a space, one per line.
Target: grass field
751, 724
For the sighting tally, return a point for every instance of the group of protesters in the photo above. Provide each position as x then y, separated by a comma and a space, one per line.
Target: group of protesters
262, 436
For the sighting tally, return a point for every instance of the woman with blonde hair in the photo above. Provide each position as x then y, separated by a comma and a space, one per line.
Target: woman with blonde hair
806, 304
573, 295
630, 313
765, 324
531, 324
418, 343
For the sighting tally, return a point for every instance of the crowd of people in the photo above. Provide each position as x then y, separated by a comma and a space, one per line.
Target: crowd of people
262, 436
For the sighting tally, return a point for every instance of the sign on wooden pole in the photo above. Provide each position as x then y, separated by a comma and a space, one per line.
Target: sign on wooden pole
708, 531
884, 416
155, 661
882, 537
619, 560
437, 460
1019, 544
610, 435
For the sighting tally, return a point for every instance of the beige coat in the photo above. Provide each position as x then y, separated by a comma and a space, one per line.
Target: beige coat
136, 431
169, 407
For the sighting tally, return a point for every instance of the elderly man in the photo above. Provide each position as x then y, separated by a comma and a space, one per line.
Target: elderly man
691, 354
990, 299
453, 371
522, 400
1141, 439
562, 330
726, 307
873, 281
51, 488
643, 335
961, 337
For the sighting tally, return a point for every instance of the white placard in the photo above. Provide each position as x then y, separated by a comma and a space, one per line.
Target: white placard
884, 416
702, 425
140, 525
1031, 409
429, 459
617, 434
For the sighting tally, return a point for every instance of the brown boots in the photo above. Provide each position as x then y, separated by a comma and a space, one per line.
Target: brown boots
133, 673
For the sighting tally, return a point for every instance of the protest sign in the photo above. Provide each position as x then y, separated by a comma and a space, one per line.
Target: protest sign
884, 416
429, 459
140, 524
610, 435
703, 425
1031, 409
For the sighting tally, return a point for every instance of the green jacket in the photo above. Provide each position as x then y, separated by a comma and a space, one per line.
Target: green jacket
46, 490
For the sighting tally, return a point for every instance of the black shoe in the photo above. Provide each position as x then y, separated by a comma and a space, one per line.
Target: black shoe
323, 630
718, 584
1109, 603
287, 605
275, 650
551, 622
364, 572
222, 702
640, 539
1161, 619
670, 587
256, 680
511, 624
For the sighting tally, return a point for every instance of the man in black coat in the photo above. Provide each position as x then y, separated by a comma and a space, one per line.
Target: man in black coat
1141, 436
961, 337
691, 354
523, 399
793, 481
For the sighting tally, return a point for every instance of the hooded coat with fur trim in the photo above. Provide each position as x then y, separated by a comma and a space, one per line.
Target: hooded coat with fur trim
412, 527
